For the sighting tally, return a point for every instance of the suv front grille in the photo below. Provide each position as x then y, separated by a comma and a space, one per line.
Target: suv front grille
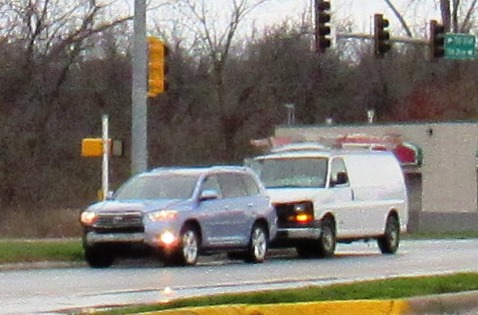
119, 220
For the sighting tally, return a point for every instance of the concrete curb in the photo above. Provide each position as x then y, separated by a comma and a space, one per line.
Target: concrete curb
436, 304
359, 307
444, 303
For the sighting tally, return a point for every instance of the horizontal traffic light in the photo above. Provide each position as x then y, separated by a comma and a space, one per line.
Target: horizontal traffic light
93, 147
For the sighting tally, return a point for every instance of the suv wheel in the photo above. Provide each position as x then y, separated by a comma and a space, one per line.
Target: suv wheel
98, 257
258, 244
390, 240
188, 251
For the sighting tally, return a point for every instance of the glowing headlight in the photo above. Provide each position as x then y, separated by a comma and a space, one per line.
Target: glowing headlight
163, 215
303, 218
167, 238
88, 217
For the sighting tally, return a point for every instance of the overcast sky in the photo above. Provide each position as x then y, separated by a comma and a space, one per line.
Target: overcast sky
360, 11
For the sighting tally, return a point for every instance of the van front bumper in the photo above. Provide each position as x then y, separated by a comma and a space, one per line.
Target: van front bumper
298, 233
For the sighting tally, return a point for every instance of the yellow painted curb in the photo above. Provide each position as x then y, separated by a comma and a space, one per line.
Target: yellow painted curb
356, 307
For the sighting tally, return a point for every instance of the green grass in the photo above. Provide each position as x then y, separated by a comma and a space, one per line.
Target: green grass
17, 251
383, 289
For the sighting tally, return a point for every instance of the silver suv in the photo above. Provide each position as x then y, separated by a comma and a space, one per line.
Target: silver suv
179, 213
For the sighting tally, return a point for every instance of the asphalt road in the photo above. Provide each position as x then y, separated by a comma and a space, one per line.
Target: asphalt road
54, 290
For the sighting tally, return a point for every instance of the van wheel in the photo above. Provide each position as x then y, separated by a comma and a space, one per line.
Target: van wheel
188, 251
389, 242
257, 249
98, 256
327, 241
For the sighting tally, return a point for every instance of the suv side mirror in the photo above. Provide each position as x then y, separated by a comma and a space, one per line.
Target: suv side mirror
209, 194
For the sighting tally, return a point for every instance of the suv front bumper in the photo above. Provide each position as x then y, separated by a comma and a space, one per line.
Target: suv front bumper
92, 238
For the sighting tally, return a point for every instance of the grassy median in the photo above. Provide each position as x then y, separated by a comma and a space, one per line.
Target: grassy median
26, 251
382, 289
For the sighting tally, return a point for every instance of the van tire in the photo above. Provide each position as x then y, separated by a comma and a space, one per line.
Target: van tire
327, 241
390, 240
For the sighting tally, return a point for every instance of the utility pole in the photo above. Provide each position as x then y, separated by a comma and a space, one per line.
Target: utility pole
139, 117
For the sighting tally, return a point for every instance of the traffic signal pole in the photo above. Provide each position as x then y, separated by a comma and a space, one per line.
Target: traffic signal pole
139, 135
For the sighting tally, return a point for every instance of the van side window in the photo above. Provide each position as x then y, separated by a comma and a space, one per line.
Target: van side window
338, 173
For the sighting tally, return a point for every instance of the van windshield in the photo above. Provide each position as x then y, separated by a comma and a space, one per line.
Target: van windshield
291, 172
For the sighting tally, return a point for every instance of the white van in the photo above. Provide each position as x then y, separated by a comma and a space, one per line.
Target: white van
323, 196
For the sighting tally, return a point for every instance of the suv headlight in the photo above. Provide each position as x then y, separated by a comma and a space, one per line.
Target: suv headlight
163, 215
88, 217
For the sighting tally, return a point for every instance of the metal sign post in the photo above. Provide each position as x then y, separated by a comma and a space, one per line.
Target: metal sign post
105, 162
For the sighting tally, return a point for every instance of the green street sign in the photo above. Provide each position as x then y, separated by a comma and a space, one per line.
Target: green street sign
460, 46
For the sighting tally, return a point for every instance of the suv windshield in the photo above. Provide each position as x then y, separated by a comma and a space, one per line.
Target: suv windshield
292, 172
158, 186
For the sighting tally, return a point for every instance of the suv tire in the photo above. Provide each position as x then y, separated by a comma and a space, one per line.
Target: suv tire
188, 251
98, 256
258, 244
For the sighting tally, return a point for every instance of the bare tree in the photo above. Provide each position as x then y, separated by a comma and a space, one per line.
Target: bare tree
457, 15
47, 39
216, 39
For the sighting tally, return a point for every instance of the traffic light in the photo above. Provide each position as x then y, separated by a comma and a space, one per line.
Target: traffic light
437, 40
381, 36
157, 67
322, 27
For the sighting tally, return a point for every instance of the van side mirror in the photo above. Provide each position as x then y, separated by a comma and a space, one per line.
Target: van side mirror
342, 179
110, 195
